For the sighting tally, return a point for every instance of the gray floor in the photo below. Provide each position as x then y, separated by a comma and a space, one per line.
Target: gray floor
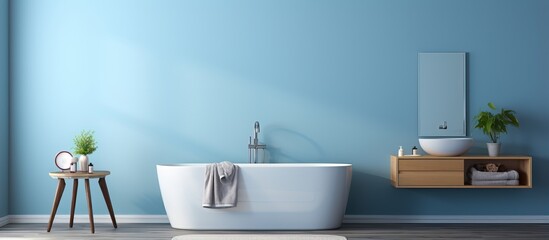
351, 231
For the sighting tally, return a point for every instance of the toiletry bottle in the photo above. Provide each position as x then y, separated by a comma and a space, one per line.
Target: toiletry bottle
75, 161
400, 151
73, 167
414, 150
90, 168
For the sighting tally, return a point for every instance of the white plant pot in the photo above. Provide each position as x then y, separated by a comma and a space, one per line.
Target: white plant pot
83, 162
493, 149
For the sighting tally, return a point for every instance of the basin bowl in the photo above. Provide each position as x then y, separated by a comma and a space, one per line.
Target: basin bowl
445, 147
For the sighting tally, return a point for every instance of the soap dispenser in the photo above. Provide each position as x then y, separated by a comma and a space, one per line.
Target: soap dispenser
72, 169
90, 168
400, 151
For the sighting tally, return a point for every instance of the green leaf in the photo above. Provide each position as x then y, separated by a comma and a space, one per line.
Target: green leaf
495, 124
488, 125
85, 143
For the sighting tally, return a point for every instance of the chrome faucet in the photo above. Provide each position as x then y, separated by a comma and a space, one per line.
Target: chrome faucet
255, 146
443, 126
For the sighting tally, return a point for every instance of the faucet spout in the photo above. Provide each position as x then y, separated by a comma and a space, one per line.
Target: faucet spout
254, 146
256, 132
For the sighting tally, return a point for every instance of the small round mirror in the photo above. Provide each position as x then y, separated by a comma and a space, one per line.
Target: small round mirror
63, 160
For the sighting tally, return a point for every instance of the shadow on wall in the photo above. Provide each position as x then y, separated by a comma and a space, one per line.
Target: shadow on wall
151, 203
368, 189
374, 195
287, 145
172, 139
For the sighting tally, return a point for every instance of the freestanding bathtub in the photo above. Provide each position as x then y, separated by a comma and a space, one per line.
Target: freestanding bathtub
271, 196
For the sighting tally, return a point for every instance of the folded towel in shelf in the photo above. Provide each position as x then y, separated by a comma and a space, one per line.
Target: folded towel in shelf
495, 183
479, 176
220, 185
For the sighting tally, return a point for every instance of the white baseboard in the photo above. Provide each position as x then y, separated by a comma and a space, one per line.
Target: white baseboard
85, 219
347, 219
4, 221
446, 219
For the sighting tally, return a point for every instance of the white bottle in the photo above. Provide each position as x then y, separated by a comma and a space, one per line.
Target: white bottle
74, 162
400, 151
414, 151
90, 168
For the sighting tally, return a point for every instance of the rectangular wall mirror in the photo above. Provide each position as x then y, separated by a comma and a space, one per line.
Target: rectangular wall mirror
442, 94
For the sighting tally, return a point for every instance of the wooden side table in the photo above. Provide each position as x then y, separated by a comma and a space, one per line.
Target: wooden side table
61, 176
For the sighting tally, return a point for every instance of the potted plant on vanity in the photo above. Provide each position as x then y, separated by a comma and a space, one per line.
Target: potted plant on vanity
494, 125
84, 144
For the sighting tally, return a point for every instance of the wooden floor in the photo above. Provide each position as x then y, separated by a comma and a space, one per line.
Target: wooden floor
351, 231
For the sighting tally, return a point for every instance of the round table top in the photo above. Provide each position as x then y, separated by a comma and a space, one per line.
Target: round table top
95, 174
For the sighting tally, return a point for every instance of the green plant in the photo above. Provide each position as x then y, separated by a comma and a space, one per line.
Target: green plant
84, 143
495, 124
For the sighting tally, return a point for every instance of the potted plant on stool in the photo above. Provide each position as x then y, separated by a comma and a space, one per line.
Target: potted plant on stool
494, 125
84, 144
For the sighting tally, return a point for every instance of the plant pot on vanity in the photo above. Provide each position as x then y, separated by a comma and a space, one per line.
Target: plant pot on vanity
493, 149
494, 124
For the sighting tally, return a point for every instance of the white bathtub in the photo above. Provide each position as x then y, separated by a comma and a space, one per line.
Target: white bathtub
271, 196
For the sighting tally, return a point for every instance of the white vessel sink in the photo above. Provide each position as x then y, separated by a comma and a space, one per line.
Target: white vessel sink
445, 147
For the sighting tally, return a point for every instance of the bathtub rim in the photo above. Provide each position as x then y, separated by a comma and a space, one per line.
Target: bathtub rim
265, 165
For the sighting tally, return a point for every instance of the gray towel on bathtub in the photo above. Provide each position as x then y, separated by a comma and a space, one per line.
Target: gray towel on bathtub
220, 185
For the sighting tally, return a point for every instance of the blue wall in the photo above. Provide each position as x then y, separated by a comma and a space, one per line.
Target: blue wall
330, 81
4, 117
